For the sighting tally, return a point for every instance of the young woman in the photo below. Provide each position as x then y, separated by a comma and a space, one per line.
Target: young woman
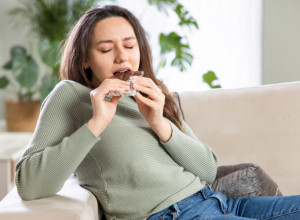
134, 154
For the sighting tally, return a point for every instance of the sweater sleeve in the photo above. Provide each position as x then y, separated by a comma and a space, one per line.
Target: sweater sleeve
60, 142
190, 153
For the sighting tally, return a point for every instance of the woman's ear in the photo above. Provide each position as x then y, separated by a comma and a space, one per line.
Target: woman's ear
86, 65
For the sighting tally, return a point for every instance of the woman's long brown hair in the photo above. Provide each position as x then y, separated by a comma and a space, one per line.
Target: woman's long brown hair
75, 53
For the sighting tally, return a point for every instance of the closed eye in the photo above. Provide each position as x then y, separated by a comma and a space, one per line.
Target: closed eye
105, 51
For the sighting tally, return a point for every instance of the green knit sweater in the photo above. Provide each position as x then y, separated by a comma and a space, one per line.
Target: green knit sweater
127, 168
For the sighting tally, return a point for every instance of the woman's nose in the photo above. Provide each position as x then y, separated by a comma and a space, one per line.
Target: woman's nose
121, 56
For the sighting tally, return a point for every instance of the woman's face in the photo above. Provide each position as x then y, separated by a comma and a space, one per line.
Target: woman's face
113, 47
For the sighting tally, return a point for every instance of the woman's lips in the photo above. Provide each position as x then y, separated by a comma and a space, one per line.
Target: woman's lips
123, 69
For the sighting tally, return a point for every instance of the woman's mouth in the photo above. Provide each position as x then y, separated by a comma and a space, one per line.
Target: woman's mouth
121, 70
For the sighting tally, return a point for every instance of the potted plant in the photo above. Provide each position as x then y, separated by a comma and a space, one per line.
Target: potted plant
21, 114
49, 22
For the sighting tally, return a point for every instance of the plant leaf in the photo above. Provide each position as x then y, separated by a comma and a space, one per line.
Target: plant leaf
14, 51
163, 5
8, 65
17, 50
49, 52
170, 42
209, 78
3, 82
184, 17
26, 71
173, 43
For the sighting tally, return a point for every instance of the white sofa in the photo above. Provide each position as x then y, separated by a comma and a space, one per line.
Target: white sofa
259, 125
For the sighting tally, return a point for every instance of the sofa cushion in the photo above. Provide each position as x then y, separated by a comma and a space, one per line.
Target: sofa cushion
244, 180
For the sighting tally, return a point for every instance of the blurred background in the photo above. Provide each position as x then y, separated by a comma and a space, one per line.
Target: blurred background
243, 43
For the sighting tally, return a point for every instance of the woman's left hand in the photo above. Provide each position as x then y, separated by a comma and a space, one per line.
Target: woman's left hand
152, 106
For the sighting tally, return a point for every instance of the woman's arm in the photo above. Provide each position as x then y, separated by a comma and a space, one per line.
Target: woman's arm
59, 144
184, 148
191, 153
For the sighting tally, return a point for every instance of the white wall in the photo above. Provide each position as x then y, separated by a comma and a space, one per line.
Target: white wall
281, 41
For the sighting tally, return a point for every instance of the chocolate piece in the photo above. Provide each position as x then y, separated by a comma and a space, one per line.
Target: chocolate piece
127, 74
119, 75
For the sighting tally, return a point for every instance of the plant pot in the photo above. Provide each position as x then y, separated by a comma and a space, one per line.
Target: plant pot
22, 116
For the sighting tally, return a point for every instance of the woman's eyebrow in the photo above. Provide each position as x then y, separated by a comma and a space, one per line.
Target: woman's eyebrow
111, 41
128, 38
104, 42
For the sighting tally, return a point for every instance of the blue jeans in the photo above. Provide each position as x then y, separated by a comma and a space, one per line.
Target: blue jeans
210, 205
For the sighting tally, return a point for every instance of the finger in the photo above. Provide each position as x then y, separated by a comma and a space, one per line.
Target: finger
101, 92
154, 106
148, 91
153, 94
112, 82
146, 101
142, 83
105, 90
115, 99
146, 82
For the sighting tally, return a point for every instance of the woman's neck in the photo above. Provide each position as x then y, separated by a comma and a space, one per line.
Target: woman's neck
95, 81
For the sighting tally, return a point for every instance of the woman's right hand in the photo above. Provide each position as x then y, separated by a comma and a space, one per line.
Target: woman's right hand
103, 110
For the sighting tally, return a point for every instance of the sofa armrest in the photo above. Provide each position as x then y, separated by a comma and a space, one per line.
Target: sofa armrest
71, 202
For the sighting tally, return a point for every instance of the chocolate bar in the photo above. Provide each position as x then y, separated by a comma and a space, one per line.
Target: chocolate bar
126, 76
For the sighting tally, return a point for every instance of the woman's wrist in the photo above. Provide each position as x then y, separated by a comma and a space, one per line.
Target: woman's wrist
96, 126
163, 130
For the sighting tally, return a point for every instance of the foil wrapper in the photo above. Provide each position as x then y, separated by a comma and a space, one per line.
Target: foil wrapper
126, 76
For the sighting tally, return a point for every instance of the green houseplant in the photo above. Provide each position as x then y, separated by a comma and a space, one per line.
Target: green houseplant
25, 73
49, 22
21, 114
